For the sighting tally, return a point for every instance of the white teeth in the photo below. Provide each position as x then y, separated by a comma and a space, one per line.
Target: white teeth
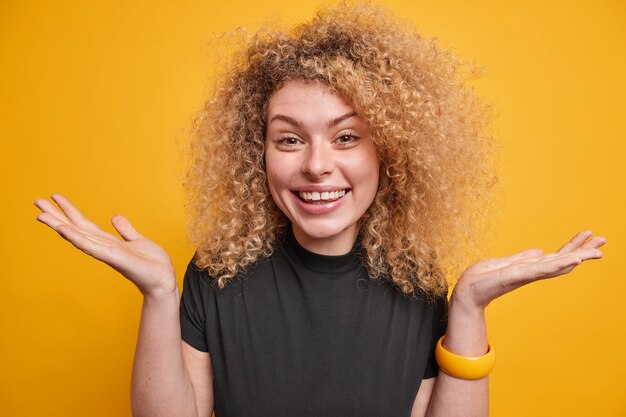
323, 196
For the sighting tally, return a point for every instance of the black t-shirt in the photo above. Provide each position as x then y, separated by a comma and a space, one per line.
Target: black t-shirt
302, 334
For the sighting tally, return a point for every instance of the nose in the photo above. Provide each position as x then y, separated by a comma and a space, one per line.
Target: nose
318, 161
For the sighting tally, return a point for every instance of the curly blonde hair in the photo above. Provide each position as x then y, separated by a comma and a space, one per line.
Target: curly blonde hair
429, 127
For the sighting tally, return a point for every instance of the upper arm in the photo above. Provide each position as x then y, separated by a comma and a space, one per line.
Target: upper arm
422, 399
198, 365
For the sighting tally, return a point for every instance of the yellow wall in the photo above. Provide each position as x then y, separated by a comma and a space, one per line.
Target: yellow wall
95, 101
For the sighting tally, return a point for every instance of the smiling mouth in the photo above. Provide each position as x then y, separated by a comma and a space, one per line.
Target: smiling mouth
323, 197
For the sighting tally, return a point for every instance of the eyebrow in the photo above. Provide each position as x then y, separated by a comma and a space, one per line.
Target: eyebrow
297, 123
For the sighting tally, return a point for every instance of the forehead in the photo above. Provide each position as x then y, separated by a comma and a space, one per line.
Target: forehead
300, 98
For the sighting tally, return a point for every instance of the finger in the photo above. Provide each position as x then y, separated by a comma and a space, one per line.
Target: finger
77, 239
553, 266
124, 228
68, 232
54, 223
577, 241
50, 220
74, 214
583, 254
47, 207
589, 253
524, 274
595, 242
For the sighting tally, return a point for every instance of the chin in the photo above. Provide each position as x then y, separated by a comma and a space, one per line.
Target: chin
325, 231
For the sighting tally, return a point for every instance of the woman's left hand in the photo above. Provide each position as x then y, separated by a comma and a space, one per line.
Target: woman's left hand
487, 280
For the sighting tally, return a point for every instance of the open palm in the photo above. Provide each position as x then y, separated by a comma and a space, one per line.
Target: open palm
487, 280
140, 260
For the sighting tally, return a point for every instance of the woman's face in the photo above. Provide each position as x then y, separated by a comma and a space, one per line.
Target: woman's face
322, 165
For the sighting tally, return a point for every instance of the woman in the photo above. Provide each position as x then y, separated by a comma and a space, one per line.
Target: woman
336, 168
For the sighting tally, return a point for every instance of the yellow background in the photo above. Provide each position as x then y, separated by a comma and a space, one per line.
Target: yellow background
96, 100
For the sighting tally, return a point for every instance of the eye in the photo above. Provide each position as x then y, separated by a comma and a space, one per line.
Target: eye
288, 140
346, 139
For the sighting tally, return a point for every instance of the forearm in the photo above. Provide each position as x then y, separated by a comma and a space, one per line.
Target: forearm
466, 335
160, 383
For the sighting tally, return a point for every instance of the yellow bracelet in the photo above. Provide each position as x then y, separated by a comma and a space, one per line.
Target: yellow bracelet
464, 367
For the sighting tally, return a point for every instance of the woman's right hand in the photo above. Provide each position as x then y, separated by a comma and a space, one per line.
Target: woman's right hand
140, 260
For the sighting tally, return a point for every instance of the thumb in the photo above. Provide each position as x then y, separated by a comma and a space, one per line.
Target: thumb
124, 228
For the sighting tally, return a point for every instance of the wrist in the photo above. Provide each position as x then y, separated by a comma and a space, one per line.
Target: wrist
165, 292
466, 333
464, 297
166, 304
463, 306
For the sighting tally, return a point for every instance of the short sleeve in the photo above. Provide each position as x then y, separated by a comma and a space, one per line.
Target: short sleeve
193, 307
440, 323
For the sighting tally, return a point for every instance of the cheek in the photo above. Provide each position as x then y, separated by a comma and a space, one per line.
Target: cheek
280, 168
273, 182
273, 189
369, 168
270, 170
373, 185
276, 181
